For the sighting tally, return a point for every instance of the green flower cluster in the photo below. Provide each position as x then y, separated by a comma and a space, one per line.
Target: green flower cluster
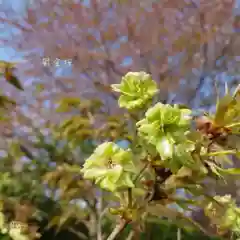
111, 167
17, 231
137, 89
165, 127
226, 214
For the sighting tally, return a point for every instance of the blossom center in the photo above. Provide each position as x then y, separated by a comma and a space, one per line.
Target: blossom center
110, 164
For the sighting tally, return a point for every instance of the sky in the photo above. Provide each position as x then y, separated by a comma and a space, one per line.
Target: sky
19, 6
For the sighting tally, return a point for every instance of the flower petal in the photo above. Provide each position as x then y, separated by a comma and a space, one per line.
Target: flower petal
165, 148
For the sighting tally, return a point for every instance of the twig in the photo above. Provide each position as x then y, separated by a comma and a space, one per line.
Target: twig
79, 234
140, 173
233, 125
203, 74
197, 225
220, 153
117, 230
237, 91
179, 235
129, 197
15, 24
99, 218
130, 235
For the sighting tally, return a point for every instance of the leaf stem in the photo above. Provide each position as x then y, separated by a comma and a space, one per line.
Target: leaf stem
220, 153
197, 225
130, 198
236, 91
99, 217
142, 170
233, 125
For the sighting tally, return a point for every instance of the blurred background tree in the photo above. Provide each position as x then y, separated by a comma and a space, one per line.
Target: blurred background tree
76, 49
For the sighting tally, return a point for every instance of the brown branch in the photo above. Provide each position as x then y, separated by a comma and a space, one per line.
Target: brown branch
204, 51
15, 24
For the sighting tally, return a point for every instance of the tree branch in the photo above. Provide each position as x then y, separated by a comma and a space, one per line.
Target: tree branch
14, 24
204, 52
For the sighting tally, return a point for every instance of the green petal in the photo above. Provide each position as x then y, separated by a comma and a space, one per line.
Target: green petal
110, 180
150, 128
170, 115
129, 102
115, 173
178, 134
182, 154
101, 155
94, 161
94, 173
152, 88
165, 147
185, 117
108, 185
123, 157
129, 82
154, 113
125, 181
106, 149
116, 87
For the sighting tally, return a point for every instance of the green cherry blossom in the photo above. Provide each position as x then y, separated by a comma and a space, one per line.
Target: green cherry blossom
137, 89
110, 166
164, 121
226, 215
165, 126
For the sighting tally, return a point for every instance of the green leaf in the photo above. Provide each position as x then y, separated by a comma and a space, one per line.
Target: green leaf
7, 71
221, 109
170, 115
4, 101
183, 155
4, 118
53, 222
66, 104
231, 171
214, 168
13, 80
163, 211
15, 150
